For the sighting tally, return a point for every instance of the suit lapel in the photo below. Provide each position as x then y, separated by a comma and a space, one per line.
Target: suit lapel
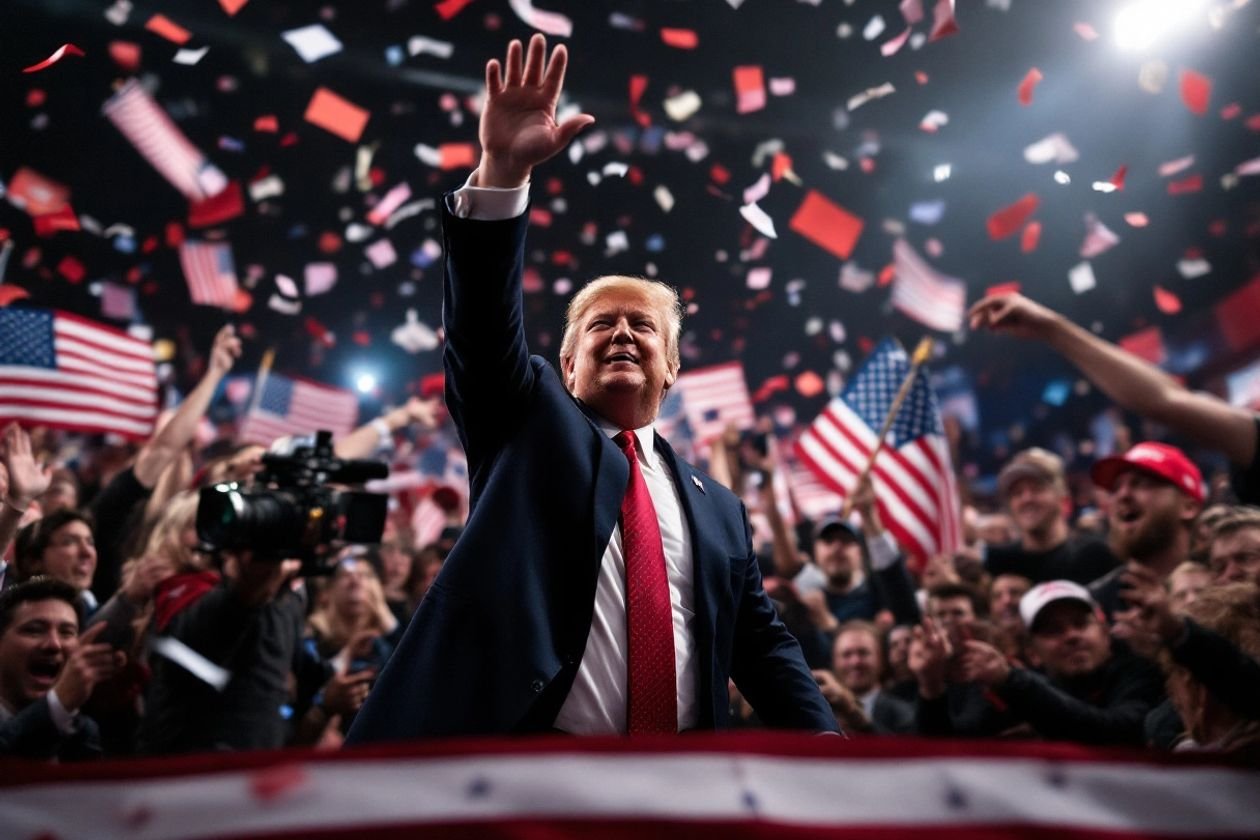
710, 563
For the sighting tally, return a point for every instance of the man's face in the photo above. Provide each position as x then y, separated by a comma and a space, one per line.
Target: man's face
71, 555
952, 613
1069, 639
1035, 504
838, 556
899, 646
1004, 598
1185, 585
34, 648
1235, 558
1146, 513
620, 356
855, 659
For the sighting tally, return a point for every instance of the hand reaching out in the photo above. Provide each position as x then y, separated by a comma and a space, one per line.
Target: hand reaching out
225, 351
518, 125
985, 664
88, 665
1014, 314
27, 480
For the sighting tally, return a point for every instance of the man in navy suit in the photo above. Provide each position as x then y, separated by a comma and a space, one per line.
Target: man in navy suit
602, 585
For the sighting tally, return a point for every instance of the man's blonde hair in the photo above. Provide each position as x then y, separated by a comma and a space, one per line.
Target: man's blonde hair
661, 296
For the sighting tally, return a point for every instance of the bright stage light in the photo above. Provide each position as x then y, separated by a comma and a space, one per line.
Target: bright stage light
1142, 23
365, 382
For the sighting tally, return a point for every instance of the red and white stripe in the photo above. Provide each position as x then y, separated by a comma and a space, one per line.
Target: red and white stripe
703, 786
923, 293
313, 407
915, 490
104, 381
207, 270
143, 122
720, 391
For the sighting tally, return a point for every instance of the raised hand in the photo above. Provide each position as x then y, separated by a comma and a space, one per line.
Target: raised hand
518, 124
928, 660
88, 665
225, 351
27, 480
983, 663
1013, 314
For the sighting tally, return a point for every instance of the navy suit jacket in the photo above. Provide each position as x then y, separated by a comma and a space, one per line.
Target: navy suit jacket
494, 646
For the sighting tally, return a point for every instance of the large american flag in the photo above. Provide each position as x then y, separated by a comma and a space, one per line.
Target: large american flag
924, 294
712, 397
61, 370
210, 272
751, 786
915, 489
143, 122
291, 406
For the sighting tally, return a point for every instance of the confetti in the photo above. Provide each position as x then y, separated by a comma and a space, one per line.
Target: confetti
1087, 32
1007, 221
943, 24
1192, 268
683, 39
682, 106
1192, 184
190, 58
320, 277
758, 278
448, 9
1081, 278
858, 100
1030, 81
60, 53
336, 115
1137, 220
170, 30
638, 84
1098, 238
312, 42
893, 45
827, 224
750, 89
757, 217
1172, 167
1056, 148
125, 54
419, 44
1030, 237
549, 23
1196, 90
933, 121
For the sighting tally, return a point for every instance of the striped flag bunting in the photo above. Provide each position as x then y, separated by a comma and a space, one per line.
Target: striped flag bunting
713, 397
292, 406
707, 786
924, 294
155, 136
915, 489
209, 272
64, 371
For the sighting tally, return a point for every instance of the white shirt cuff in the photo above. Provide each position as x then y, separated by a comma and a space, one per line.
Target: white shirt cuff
488, 204
62, 718
883, 550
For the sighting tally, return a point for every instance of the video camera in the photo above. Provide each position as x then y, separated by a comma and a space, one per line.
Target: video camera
296, 507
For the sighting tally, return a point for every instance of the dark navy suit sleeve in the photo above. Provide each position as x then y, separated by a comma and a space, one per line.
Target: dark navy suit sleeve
768, 667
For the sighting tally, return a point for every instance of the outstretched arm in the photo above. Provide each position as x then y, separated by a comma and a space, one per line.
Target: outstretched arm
368, 438
1132, 383
24, 481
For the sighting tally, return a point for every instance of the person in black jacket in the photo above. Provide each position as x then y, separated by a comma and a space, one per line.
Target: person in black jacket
1091, 691
47, 672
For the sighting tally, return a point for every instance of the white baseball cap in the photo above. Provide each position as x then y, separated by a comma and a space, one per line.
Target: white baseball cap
1044, 594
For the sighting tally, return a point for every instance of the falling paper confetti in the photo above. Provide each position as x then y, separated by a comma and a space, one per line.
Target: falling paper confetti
61, 52
549, 23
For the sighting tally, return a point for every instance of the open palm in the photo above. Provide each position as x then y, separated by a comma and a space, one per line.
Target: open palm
518, 125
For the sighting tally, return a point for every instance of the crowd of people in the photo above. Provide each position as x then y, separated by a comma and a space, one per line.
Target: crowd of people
120, 634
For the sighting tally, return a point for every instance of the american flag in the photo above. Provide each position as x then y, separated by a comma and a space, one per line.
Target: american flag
915, 490
924, 294
290, 406
60, 370
210, 272
713, 397
814, 499
143, 122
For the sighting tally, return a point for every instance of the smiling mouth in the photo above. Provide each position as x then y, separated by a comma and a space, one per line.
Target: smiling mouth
621, 357
45, 670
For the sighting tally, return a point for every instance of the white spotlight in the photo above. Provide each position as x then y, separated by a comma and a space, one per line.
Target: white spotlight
1140, 24
365, 383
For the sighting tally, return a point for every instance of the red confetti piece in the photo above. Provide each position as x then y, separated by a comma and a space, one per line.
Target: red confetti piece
943, 23
125, 54
638, 84
363, 338
47, 224
447, 9
1086, 31
683, 39
1008, 220
71, 269
531, 281
1190, 184
35, 97
1146, 344
719, 173
1167, 302
1031, 78
149, 245
781, 165
242, 302
60, 53
809, 384
827, 224
921, 77
318, 331
170, 30
1009, 288
10, 292
1218, 228
1117, 178
1231, 111
217, 209
455, 156
539, 217
1196, 89
1137, 220
329, 242
232, 6
886, 275
1236, 316
337, 115
770, 387
1030, 237
174, 235
268, 123
750, 89
1253, 122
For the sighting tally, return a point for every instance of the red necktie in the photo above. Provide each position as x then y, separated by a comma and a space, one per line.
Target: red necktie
653, 694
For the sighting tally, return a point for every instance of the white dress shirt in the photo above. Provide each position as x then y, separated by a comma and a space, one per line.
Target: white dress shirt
596, 704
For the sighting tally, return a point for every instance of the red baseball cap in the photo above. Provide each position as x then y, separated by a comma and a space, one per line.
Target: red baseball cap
1157, 459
